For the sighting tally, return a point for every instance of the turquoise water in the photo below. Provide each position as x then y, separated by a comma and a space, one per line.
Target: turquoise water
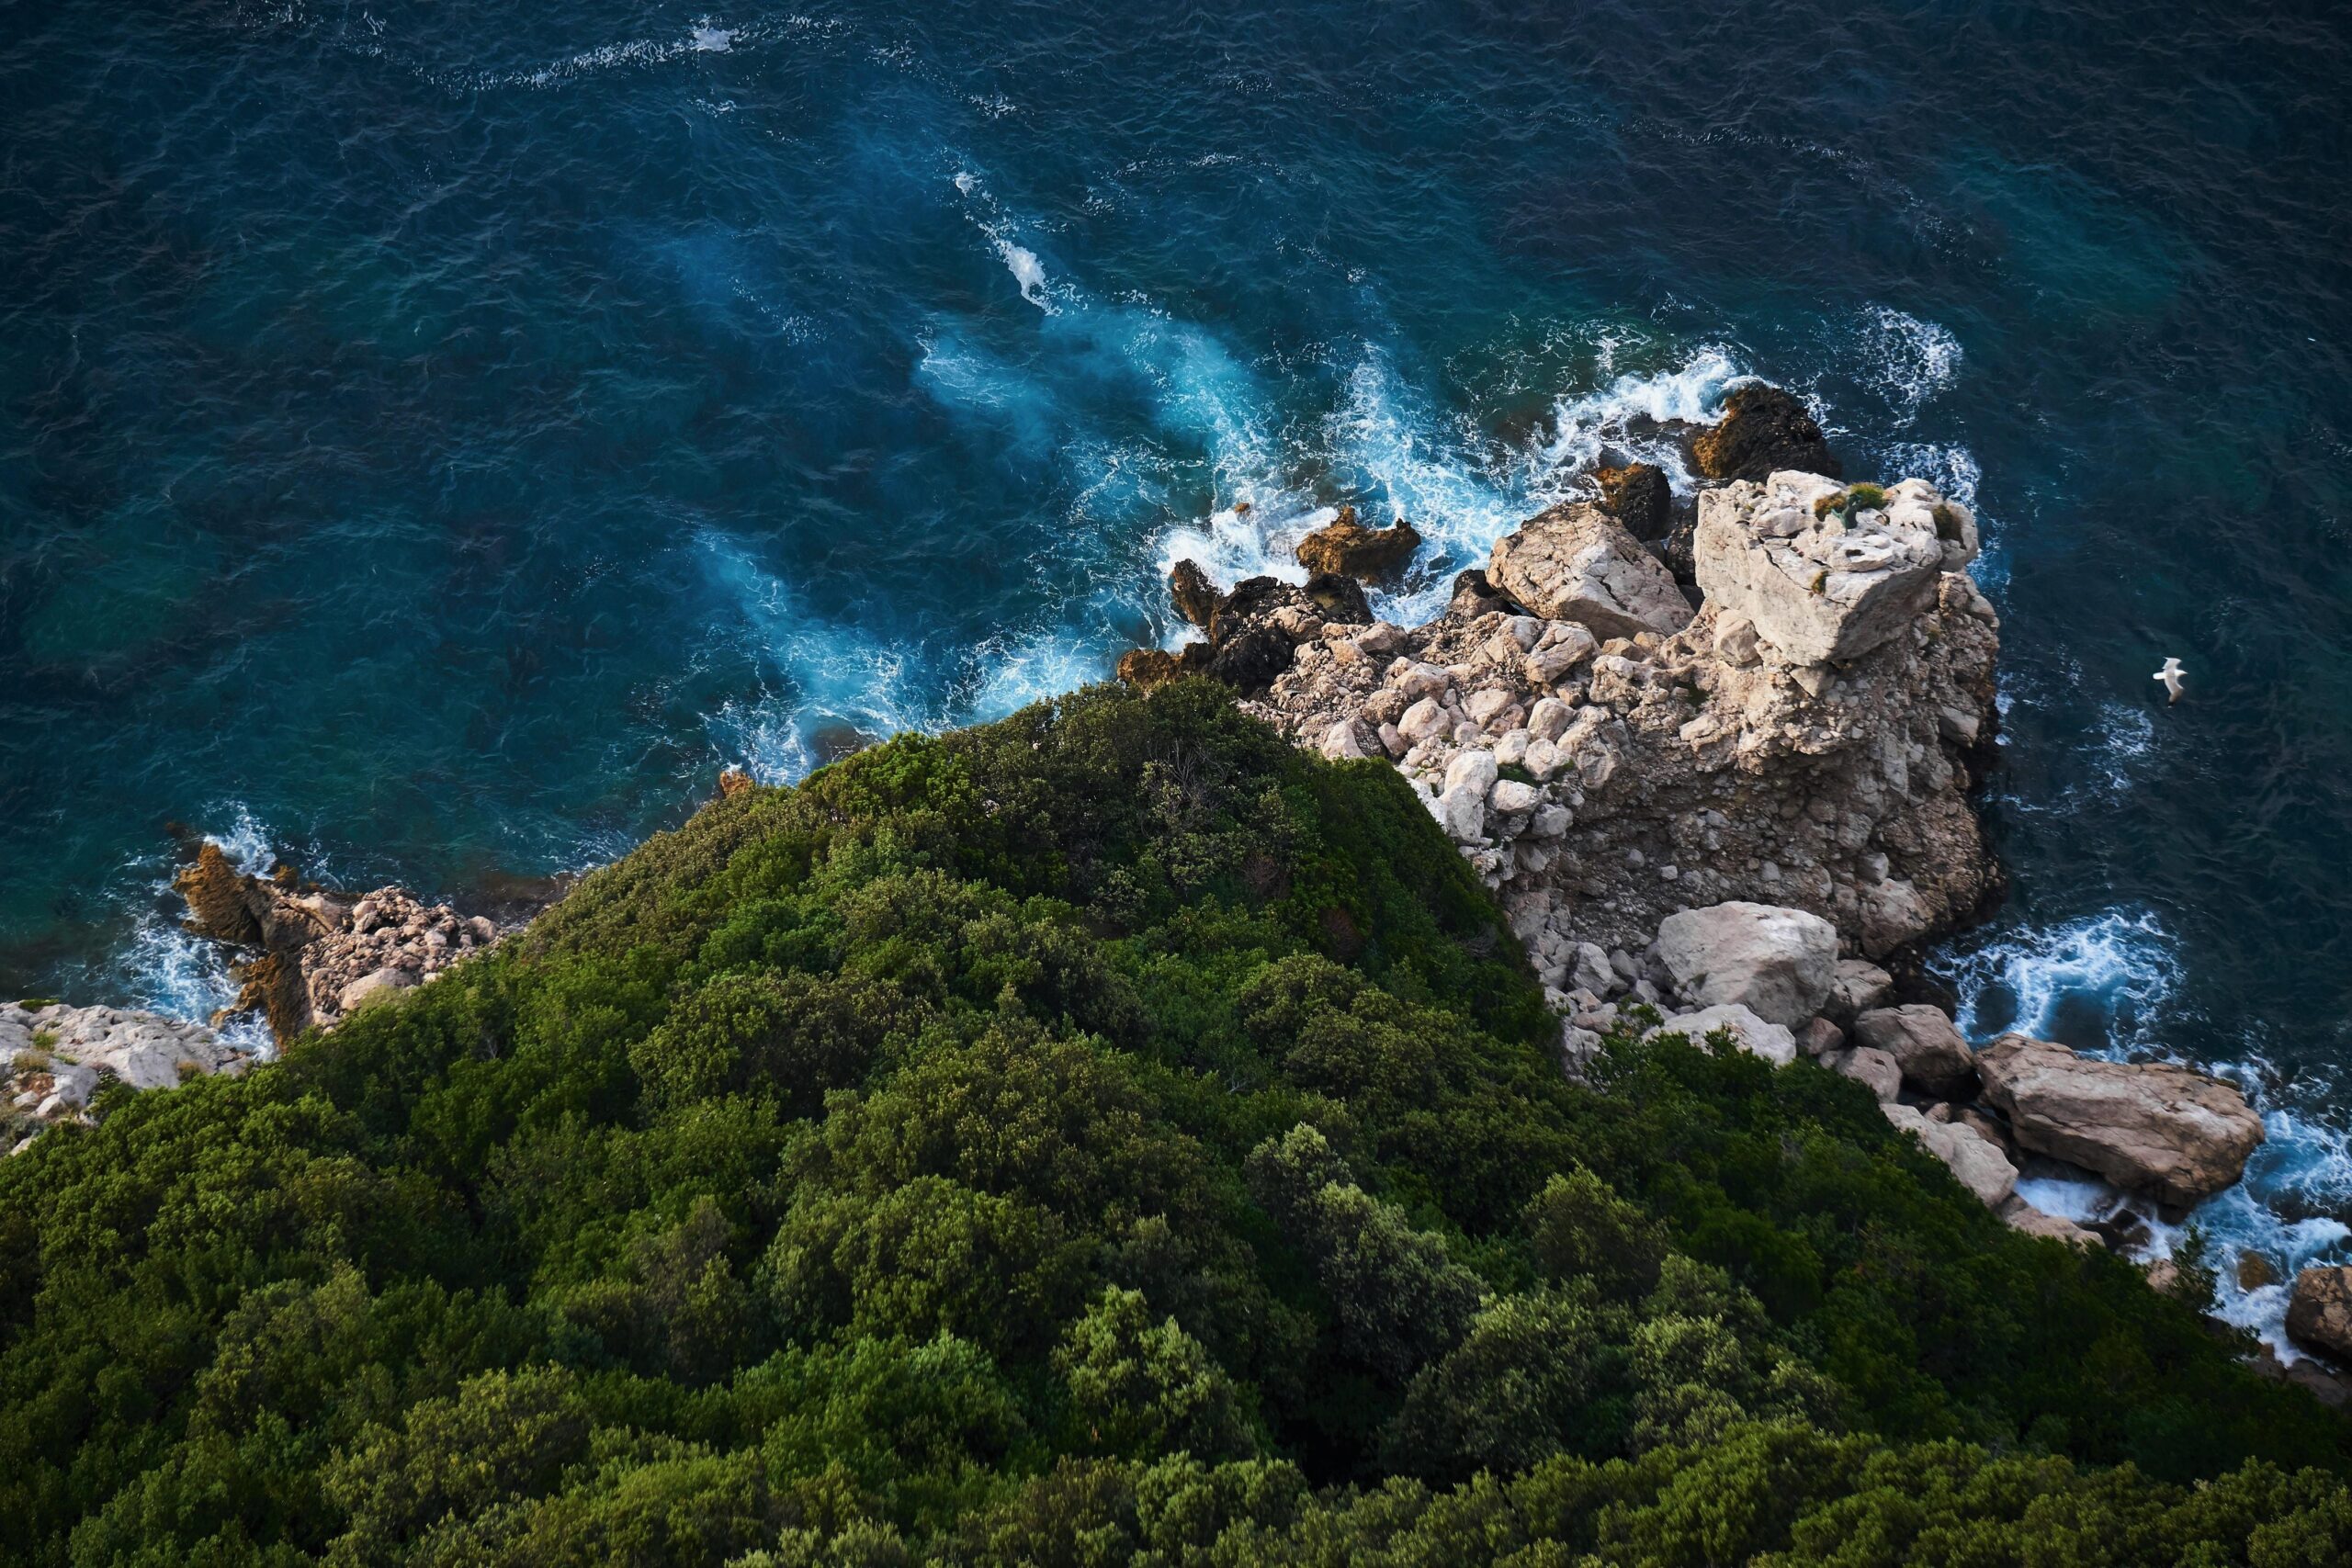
434, 440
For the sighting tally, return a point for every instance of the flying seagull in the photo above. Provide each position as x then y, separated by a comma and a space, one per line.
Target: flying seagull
2170, 675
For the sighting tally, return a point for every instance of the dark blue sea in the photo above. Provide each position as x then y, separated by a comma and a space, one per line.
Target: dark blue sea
435, 439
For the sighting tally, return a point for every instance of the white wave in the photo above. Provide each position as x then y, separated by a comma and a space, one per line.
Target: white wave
246, 843
1904, 359
1014, 672
1027, 271
710, 37
824, 677
1619, 416
2108, 973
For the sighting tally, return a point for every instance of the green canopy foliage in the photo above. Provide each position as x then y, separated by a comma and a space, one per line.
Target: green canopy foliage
1107, 1135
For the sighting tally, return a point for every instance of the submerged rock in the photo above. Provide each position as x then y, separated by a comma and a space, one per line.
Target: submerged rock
1762, 428
2176, 1134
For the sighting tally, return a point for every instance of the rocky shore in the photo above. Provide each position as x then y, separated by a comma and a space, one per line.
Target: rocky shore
306, 957
1715, 755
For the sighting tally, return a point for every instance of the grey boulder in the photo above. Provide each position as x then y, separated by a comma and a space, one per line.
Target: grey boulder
1779, 963
1923, 1042
1578, 563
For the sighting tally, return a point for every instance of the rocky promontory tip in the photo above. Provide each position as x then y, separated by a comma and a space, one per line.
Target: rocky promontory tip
311, 955
1346, 548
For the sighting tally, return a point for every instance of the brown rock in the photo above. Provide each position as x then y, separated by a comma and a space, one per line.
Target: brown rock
1348, 547
1763, 429
1639, 497
274, 986
2255, 1272
1933, 1056
1148, 667
2176, 1134
2319, 1311
1196, 597
215, 892
733, 781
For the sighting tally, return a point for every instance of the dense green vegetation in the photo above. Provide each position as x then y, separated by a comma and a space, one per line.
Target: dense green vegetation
1105, 1136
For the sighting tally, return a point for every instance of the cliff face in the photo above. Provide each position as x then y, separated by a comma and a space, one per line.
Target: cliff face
1807, 739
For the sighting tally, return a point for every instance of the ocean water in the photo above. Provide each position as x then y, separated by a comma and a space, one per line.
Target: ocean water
435, 439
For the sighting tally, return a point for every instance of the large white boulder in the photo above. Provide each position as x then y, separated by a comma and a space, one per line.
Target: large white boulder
1821, 578
1779, 963
2176, 1134
1578, 563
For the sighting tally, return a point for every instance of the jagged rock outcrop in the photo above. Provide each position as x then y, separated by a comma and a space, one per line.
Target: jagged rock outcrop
1345, 548
1577, 563
313, 954
2319, 1311
1636, 776
1762, 428
1195, 596
1638, 496
1777, 963
54, 1058
1824, 574
2178, 1135
1925, 1045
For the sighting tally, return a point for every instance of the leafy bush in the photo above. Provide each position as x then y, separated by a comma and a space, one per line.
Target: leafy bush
1104, 1134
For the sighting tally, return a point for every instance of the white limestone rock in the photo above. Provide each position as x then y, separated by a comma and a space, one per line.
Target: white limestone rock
1577, 563
1822, 589
1778, 962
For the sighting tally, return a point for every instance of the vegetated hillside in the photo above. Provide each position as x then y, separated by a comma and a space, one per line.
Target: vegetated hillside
1106, 1135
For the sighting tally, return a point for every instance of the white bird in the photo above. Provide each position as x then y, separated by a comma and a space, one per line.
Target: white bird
2170, 675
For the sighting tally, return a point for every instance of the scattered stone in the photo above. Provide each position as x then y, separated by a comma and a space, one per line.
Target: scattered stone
1578, 563
1638, 496
55, 1059
1924, 1044
1874, 1069
1763, 428
1777, 962
1820, 1037
374, 985
1347, 547
2176, 1134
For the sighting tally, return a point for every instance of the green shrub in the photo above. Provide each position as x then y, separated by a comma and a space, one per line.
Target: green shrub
1105, 1132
